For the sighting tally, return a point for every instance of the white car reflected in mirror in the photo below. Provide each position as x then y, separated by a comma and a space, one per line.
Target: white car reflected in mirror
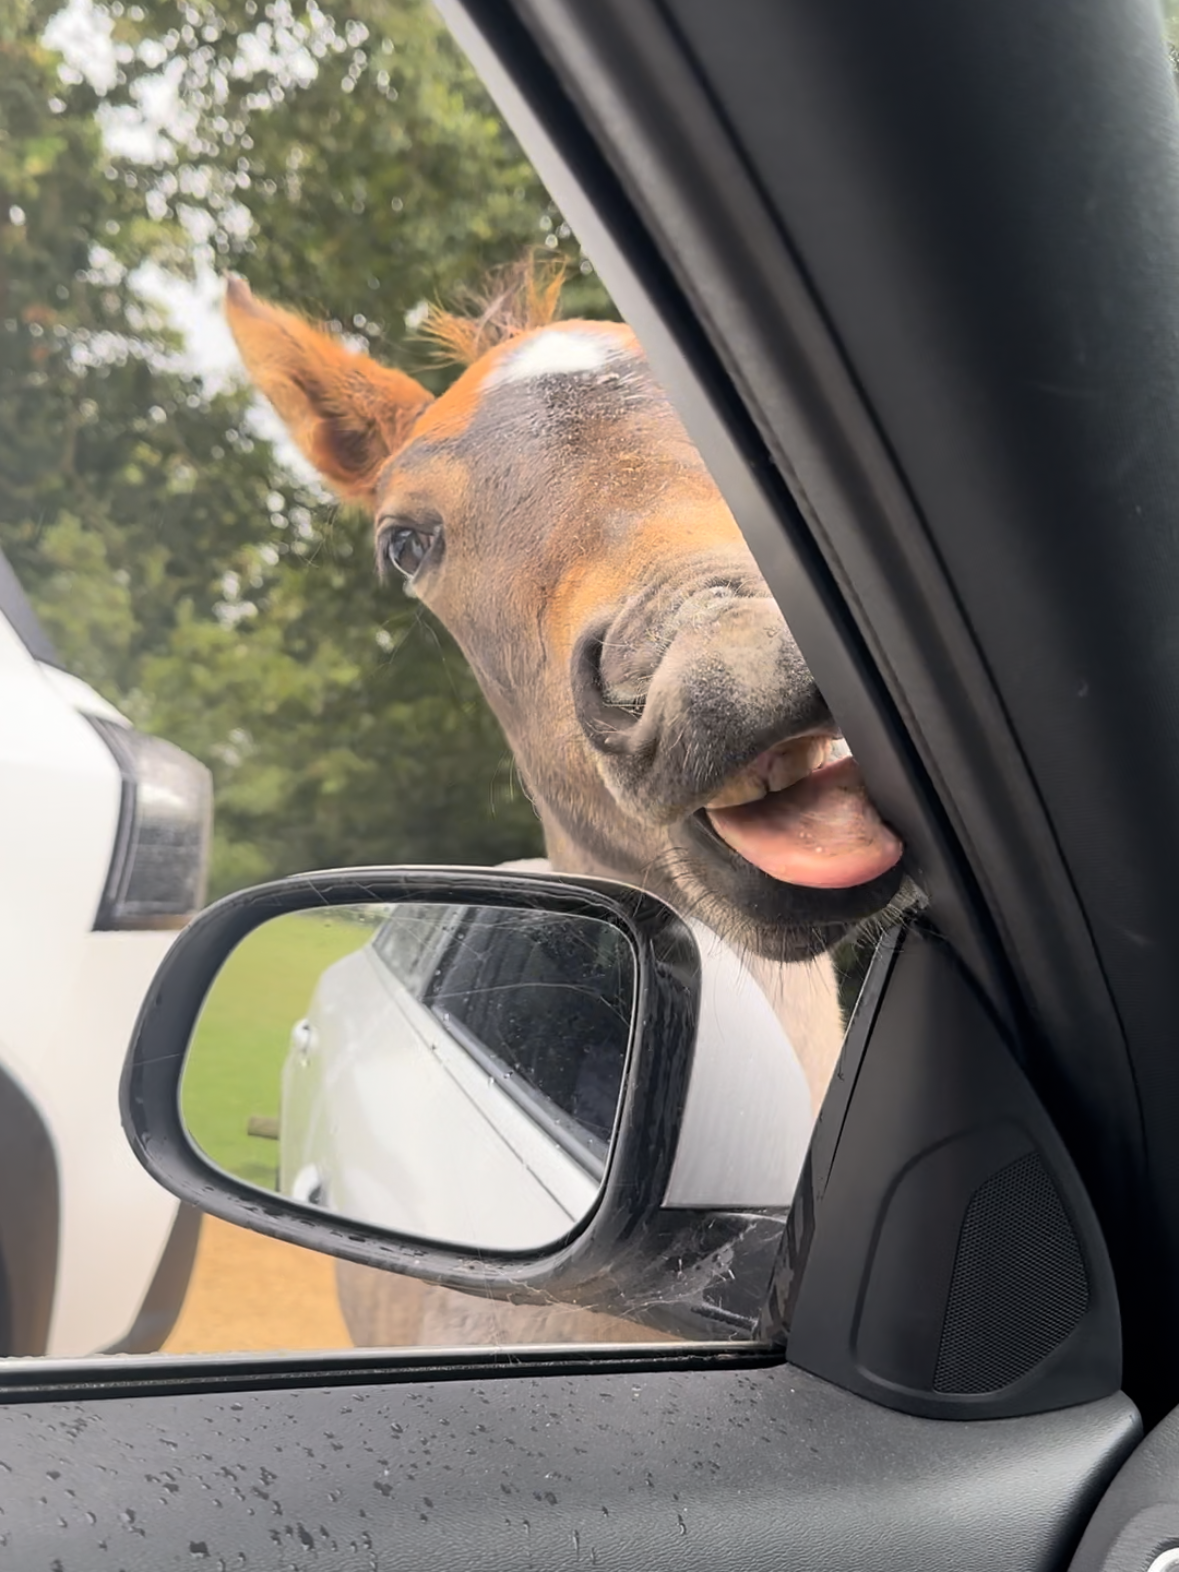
456, 1075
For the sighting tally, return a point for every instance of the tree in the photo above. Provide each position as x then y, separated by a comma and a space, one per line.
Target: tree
350, 166
101, 439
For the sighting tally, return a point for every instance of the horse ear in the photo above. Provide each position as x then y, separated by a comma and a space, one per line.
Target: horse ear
346, 413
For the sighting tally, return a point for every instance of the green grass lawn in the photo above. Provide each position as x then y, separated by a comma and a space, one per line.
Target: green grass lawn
237, 1052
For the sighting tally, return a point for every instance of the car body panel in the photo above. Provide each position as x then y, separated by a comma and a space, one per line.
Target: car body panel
69, 996
363, 1105
747, 1115
106, 1262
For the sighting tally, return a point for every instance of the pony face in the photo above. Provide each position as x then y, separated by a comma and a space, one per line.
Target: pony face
551, 511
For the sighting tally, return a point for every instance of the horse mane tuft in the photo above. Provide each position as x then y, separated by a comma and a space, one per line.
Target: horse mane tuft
511, 300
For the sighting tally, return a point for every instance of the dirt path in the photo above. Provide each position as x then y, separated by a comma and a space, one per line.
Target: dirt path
252, 1294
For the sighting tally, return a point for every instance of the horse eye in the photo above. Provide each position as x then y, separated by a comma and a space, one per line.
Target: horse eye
404, 548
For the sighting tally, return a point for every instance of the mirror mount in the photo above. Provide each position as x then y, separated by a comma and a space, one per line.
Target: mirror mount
942, 1257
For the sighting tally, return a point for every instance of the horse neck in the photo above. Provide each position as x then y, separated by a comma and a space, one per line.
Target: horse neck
566, 856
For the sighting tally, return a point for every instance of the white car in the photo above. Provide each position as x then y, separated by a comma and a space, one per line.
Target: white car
104, 843
458, 1078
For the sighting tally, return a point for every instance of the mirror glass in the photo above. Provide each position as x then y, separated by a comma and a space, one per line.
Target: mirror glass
452, 1072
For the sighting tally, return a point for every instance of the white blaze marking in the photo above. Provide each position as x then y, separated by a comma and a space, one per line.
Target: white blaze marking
554, 353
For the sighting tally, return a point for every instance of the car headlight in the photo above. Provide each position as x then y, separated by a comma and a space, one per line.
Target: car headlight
161, 858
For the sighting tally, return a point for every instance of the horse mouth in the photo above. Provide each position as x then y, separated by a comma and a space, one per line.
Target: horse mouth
800, 812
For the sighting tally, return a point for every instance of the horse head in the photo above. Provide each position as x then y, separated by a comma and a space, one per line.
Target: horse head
550, 509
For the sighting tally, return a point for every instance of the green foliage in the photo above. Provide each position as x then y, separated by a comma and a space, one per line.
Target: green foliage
350, 165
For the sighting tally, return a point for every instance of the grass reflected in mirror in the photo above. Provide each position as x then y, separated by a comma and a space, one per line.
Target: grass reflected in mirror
241, 1040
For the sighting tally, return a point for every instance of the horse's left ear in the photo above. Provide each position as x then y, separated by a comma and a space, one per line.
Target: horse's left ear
346, 413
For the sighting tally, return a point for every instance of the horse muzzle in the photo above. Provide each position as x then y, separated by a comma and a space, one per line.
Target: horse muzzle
710, 725
679, 711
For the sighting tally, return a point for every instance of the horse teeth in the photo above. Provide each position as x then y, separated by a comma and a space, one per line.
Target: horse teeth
736, 793
778, 769
786, 769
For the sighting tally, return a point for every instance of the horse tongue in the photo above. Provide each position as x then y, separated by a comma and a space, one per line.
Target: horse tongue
822, 832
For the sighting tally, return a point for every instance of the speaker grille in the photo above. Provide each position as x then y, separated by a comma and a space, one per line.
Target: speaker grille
1019, 1285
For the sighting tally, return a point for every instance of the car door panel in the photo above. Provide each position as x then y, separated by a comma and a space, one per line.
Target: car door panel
1138, 1518
491, 1467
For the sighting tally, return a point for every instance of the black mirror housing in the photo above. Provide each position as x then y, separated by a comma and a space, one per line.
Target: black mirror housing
619, 1258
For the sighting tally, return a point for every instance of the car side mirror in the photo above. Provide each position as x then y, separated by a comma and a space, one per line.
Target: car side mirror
493, 1081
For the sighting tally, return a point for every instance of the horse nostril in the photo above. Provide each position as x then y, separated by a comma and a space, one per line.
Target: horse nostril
607, 726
